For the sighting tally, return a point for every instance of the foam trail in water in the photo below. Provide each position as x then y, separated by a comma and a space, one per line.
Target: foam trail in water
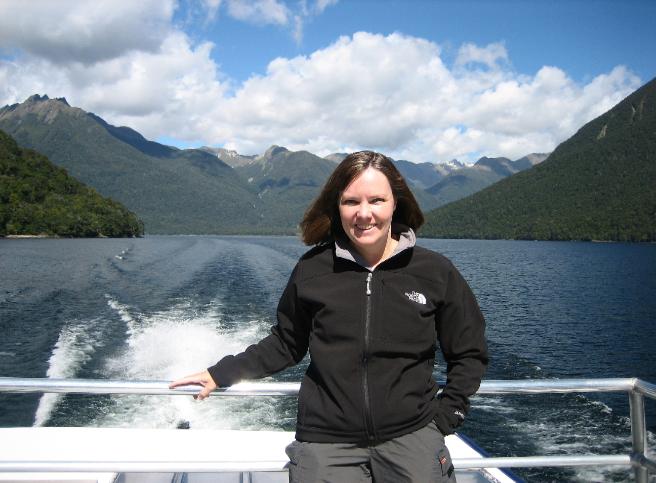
122, 311
168, 345
72, 350
573, 424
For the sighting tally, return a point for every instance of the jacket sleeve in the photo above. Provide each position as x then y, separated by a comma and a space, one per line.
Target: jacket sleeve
285, 346
461, 332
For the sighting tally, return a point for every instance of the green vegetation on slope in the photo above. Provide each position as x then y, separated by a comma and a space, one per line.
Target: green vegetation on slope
37, 197
172, 190
286, 183
598, 185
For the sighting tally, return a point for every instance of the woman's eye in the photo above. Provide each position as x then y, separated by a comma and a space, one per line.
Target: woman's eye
349, 202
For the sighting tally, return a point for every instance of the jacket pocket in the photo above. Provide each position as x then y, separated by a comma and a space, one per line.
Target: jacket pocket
405, 317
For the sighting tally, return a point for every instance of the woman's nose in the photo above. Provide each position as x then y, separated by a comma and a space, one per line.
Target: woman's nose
364, 210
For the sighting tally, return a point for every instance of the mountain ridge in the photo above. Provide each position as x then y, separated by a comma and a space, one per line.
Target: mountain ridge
180, 192
206, 190
596, 185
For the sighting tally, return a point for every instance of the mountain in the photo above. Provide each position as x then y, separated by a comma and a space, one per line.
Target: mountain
336, 157
37, 197
449, 167
228, 156
424, 175
527, 162
597, 185
208, 190
172, 190
419, 176
286, 182
467, 180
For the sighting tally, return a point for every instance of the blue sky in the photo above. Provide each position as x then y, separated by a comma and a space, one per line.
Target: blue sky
418, 80
585, 38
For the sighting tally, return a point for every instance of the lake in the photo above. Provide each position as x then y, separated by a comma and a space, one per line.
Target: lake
164, 306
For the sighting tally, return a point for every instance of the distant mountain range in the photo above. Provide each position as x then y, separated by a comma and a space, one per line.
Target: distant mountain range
438, 184
211, 190
467, 180
597, 185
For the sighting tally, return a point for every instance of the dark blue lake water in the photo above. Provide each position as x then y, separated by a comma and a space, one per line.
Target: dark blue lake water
162, 307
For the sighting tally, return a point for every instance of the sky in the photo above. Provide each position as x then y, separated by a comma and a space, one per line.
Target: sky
425, 81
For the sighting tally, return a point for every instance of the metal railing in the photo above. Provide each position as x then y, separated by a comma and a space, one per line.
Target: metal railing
641, 461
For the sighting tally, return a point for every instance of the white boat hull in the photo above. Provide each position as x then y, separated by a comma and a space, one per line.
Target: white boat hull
124, 455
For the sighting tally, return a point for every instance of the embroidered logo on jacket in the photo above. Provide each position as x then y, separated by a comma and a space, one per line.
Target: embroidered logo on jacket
416, 297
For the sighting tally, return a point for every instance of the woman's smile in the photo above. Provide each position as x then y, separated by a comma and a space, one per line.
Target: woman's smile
366, 208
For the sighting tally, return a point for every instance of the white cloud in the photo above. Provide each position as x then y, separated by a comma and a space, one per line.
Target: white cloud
144, 90
259, 11
298, 29
490, 56
395, 94
390, 93
69, 30
211, 8
321, 5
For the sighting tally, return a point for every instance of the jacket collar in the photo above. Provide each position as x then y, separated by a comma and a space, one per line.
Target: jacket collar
344, 249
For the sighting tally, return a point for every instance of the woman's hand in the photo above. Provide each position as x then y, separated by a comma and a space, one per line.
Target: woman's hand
202, 379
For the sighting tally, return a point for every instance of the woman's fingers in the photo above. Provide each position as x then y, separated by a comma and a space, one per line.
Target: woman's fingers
194, 379
205, 392
185, 381
202, 379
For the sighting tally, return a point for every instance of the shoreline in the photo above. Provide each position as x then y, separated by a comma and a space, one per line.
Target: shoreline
54, 237
29, 236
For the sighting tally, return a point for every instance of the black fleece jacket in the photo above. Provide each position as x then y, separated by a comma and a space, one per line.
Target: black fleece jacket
372, 337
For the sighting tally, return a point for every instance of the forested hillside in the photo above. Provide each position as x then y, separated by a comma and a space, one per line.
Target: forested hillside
39, 198
597, 185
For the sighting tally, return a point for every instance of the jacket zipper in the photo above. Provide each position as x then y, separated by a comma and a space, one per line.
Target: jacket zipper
369, 425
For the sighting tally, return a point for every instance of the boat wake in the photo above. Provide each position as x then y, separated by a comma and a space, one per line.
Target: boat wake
164, 345
74, 347
554, 424
170, 344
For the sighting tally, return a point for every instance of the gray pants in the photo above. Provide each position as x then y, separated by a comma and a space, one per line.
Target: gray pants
419, 457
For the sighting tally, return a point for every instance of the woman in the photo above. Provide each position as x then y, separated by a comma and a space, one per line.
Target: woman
371, 307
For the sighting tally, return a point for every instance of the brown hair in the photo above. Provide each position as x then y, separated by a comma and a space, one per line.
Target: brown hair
321, 222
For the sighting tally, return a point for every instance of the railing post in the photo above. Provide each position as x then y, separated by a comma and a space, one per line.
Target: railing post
638, 435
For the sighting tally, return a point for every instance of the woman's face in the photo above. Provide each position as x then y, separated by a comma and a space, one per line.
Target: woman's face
366, 208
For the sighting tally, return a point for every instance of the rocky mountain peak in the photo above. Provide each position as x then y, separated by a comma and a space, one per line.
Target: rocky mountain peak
229, 156
43, 107
449, 167
37, 98
271, 152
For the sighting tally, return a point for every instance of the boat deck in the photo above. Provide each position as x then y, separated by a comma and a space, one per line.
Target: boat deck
106, 455
122, 455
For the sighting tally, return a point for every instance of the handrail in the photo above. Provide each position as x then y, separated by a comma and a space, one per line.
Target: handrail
273, 466
94, 386
636, 388
110, 386
646, 388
